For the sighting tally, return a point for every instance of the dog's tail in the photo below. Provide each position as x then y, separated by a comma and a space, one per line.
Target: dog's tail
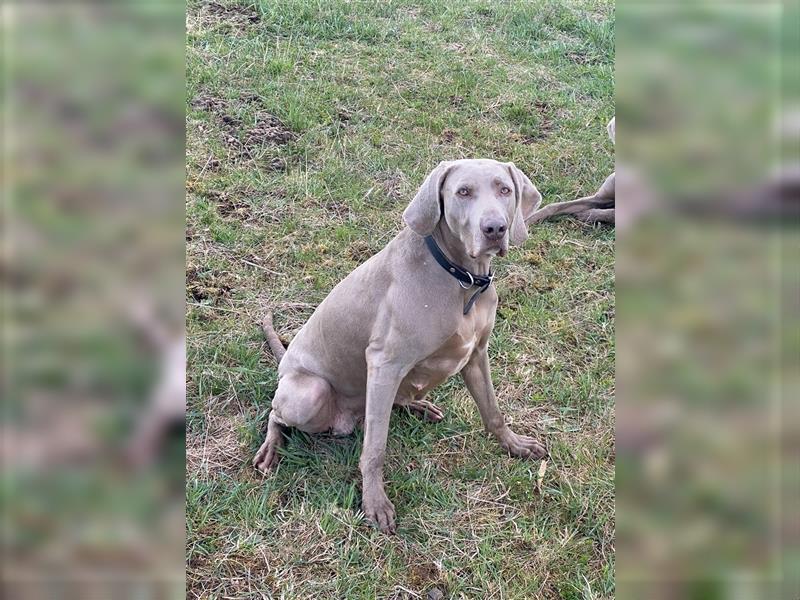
273, 340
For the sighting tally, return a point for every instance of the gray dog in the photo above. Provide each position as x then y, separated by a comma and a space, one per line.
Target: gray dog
419, 311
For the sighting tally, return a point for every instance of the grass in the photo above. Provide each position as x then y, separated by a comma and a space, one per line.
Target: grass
310, 125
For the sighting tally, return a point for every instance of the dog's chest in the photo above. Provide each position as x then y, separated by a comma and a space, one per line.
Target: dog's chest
452, 356
448, 360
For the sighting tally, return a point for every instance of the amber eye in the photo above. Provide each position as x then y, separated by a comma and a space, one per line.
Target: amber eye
505, 190
463, 191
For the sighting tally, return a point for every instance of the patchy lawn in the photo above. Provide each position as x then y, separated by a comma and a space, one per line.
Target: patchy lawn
310, 125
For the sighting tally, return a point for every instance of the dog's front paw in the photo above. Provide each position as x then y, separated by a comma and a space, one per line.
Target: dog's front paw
379, 511
522, 446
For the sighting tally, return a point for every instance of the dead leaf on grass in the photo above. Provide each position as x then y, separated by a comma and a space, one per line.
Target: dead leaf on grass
540, 476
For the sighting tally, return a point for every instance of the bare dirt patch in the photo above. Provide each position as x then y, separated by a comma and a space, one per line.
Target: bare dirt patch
268, 130
249, 97
343, 116
456, 101
422, 574
245, 204
208, 103
230, 205
236, 15
580, 57
208, 285
448, 135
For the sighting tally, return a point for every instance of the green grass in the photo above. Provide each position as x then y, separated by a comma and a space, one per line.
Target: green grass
368, 98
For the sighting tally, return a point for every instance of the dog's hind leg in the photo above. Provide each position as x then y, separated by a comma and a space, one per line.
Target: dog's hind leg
303, 401
268, 455
596, 215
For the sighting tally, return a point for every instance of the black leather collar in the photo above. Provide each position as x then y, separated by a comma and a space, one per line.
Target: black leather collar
481, 281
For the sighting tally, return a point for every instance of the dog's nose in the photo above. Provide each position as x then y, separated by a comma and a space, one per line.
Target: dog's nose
493, 228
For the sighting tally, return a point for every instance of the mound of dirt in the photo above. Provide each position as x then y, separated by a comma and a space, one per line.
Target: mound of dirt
269, 129
208, 102
238, 15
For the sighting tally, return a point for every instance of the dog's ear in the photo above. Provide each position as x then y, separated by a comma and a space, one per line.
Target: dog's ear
528, 200
425, 209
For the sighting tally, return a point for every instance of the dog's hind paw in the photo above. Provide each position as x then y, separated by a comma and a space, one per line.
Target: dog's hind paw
426, 410
268, 455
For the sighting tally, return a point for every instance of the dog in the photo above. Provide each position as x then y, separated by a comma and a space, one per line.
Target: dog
419, 311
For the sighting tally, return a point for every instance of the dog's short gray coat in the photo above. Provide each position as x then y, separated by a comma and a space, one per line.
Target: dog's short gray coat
394, 328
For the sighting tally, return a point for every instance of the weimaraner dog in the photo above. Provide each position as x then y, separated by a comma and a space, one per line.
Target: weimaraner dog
419, 311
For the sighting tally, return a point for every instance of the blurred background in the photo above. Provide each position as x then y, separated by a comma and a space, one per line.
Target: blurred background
92, 268
708, 307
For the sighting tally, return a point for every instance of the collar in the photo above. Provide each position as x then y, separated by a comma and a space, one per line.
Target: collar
464, 277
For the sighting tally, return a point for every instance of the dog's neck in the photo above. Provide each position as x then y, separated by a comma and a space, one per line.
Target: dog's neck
453, 247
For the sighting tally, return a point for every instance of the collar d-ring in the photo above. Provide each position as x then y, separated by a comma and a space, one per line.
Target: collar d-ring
471, 281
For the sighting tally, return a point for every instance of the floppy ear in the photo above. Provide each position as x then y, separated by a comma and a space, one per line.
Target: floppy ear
425, 209
528, 200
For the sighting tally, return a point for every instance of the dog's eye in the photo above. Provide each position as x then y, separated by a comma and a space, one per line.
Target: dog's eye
463, 191
505, 190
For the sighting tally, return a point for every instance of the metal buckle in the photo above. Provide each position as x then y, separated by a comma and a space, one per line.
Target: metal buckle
471, 280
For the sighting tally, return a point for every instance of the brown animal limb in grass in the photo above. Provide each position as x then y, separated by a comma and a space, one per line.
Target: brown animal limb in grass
597, 208
569, 208
575, 207
597, 215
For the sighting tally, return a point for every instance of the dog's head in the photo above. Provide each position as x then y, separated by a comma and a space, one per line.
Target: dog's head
483, 202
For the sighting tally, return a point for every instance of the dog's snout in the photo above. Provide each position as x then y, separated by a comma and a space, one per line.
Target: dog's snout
493, 228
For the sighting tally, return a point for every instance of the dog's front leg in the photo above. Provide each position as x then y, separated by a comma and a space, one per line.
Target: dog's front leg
383, 380
477, 376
